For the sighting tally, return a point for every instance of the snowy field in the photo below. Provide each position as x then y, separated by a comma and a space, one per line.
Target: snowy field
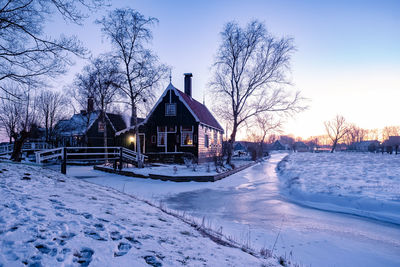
363, 184
48, 219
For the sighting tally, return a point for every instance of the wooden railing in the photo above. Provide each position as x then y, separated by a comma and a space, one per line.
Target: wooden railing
6, 149
85, 154
132, 155
28, 146
49, 154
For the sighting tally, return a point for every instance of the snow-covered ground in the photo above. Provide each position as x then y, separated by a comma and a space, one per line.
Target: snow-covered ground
49, 219
364, 184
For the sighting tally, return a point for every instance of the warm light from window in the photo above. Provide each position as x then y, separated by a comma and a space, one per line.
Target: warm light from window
131, 139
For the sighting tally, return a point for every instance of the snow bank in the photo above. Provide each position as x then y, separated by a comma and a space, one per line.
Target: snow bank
204, 169
48, 219
363, 184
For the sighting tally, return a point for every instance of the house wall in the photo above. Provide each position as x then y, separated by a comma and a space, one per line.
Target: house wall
206, 153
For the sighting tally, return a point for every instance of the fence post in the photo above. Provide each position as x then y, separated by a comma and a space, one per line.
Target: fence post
64, 161
37, 157
120, 158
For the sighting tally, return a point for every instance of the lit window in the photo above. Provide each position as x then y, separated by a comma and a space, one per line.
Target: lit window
170, 109
186, 136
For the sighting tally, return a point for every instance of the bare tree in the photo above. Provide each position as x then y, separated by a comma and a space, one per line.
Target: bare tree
355, 134
18, 116
390, 131
249, 72
264, 124
336, 130
272, 138
10, 111
129, 32
51, 108
100, 81
26, 53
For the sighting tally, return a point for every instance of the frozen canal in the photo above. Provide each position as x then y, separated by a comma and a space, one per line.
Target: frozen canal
249, 207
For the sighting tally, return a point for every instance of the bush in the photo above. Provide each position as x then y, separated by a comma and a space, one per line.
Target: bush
188, 159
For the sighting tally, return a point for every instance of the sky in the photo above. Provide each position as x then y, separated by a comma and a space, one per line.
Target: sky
347, 60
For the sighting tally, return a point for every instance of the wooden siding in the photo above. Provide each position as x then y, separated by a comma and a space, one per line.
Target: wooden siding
207, 153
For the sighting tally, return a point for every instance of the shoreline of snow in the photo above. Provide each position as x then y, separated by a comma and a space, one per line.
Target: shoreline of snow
341, 185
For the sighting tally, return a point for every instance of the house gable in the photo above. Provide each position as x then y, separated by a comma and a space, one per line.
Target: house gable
170, 95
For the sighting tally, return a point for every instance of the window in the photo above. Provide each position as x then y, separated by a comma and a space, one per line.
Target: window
153, 139
187, 139
215, 137
100, 127
161, 139
170, 109
186, 135
206, 141
161, 135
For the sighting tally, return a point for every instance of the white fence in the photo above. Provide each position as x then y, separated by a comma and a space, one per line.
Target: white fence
88, 154
28, 146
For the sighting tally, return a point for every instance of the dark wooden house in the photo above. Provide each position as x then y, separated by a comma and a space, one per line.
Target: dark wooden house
86, 129
177, 125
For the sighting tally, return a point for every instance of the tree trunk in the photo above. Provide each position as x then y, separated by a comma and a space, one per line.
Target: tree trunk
230, 145
135, 121
334, 146
19, 142
47, 130
103, 120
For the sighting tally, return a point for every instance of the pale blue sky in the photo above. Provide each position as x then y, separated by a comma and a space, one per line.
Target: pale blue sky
347, 59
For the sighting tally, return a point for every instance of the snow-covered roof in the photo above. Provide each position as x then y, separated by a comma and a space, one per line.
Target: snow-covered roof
140, 122
78, 124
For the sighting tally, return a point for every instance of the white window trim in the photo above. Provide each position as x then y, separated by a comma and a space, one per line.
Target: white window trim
183, 135
170, 115
165, 137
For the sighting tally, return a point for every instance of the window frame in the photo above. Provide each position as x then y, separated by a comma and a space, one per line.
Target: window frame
183, 136
167, 109
159, 136
206, 140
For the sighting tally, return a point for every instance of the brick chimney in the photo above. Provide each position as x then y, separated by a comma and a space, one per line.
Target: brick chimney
188, 84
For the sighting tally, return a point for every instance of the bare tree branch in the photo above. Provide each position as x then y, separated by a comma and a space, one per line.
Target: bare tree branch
336, 130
